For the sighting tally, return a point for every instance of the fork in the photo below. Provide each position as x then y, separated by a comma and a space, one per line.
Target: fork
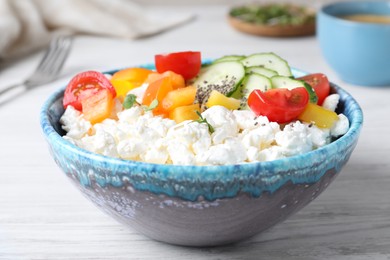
49, 67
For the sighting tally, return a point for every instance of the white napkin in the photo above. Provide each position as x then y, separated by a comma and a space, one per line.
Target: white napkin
27, 25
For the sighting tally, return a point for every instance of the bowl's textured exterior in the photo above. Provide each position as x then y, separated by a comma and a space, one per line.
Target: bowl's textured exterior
200, 205
359, 52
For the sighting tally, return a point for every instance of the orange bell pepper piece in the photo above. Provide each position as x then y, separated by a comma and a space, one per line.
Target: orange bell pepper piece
98, 106
177, 80
157, 90
182, 113
179, 97
127, 79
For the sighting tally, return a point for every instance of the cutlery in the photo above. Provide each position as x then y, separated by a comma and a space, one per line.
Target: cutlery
49, 67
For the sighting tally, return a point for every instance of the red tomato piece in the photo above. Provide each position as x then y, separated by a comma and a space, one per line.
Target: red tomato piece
279, 105
186, 63
320, 83
84, 85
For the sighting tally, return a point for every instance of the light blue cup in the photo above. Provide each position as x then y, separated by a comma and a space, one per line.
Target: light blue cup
359, 52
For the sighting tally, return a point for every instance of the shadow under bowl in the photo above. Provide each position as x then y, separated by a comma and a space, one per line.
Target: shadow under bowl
200, 205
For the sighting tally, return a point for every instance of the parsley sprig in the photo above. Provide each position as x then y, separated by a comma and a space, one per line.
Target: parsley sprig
152, 105
202, 120
131, 100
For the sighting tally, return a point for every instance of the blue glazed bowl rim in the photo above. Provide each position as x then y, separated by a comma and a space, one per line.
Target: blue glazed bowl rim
356, 120
326, 11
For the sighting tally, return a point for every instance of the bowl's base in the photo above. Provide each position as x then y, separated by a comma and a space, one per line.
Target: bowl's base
202, 223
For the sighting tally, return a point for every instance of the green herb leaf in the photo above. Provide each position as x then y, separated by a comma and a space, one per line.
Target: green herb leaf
129, 101
152, 105
202, 120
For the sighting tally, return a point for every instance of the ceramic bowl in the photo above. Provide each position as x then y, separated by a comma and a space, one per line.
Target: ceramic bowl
200, 205
358, 51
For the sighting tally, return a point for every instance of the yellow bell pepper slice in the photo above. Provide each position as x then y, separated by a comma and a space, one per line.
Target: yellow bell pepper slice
122, 87
318, 115
218, 99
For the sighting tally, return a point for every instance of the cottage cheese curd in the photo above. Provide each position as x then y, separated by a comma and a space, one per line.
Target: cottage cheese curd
239, 136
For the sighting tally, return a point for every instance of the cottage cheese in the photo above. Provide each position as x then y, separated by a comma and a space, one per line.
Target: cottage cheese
239, 136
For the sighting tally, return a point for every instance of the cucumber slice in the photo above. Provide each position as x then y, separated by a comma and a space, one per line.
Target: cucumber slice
249, 83
223, 76
229, 58
313, 98
269, 61
289, 83
261, 70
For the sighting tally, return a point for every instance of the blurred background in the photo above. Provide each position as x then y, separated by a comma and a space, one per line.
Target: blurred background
232, 2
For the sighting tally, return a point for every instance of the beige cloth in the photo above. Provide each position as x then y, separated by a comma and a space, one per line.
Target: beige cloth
27, 25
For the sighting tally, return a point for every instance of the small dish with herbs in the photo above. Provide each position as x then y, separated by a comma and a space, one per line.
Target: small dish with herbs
275, 20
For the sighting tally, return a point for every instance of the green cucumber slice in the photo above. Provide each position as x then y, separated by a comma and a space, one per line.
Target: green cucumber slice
230, 58
289, 83
223, 76
249, 83
269, 61
261, 70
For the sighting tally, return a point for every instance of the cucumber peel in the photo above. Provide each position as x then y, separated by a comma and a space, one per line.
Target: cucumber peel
230, 58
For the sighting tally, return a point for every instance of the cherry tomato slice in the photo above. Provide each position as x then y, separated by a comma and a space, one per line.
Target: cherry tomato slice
279, 105
84, 85
320, 83
186, 63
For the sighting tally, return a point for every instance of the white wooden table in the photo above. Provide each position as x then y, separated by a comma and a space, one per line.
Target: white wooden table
42, 216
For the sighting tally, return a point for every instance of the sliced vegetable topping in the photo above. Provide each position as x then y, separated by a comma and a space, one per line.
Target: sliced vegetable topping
177, 80
179, 97
186, 63
184, 113
261, 82
279, 105
269, 61
320, 83
157, 90
224, 77
319, 116
218, 99
84, 85
229, 58
98, 106
261, 70
127, 79
289, 83
251, 82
